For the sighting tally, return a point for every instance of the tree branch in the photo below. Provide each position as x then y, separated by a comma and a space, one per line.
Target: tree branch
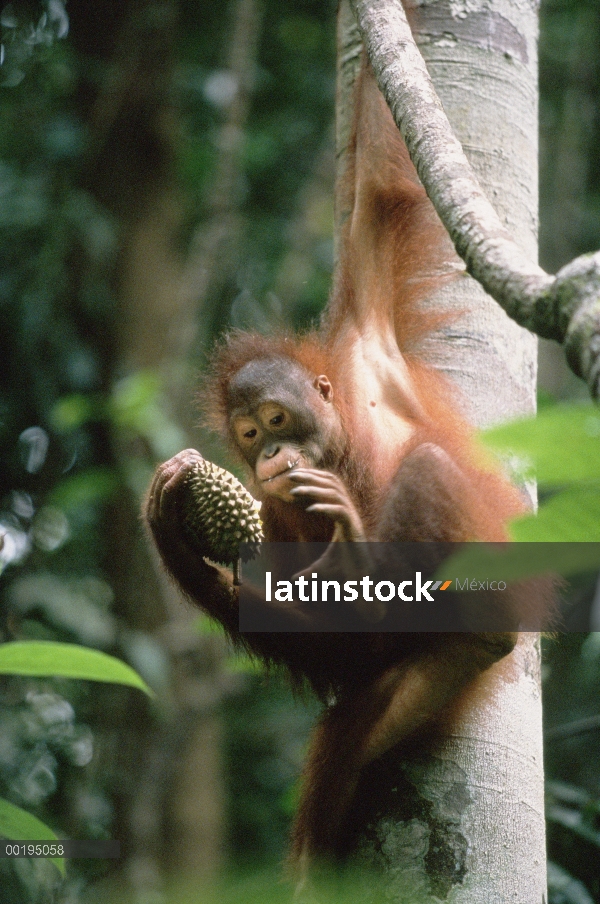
565, 307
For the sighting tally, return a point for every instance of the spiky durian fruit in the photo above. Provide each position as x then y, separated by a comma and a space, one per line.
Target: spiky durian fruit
220, 514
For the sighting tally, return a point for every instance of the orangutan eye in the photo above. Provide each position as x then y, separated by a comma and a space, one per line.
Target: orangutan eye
277, 420
250, 434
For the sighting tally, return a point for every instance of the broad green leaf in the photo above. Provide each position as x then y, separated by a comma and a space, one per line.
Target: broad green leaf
514, 561
38, 659
573, 515
562, 444
19, 825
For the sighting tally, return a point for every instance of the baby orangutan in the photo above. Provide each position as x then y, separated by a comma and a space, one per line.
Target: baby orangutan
348, 436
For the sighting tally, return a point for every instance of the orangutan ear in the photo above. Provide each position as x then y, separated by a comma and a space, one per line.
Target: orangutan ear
324, 387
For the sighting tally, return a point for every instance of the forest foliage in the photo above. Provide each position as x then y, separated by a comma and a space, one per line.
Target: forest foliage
166, 172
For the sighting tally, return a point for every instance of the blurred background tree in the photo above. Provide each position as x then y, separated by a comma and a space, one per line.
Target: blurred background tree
166, 172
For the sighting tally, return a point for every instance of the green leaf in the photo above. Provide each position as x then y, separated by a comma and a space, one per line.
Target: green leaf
561, 445
514, 561
573, 515
39, 659
19, 825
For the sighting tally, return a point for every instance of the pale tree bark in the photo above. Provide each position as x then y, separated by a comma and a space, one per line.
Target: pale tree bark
565, 307
472, 824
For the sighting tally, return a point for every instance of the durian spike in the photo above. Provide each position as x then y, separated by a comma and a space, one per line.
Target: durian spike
220, 514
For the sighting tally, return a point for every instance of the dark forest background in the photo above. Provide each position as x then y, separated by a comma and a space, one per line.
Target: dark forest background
166, 172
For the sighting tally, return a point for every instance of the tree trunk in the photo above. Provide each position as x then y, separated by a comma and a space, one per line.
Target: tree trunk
465, 822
